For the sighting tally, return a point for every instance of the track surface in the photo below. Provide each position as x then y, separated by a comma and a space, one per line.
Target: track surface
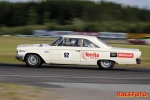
79, 77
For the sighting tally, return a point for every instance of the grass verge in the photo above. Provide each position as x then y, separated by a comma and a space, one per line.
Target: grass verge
19, 92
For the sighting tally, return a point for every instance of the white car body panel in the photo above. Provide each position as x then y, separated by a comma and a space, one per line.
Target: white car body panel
80, 55
57, 55
43, 51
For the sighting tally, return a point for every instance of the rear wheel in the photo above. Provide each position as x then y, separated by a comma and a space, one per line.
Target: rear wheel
33, 60
106, 64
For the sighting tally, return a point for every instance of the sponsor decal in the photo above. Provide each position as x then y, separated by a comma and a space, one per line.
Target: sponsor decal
66, 55
113, 54
131, 94
125, 55
90, 55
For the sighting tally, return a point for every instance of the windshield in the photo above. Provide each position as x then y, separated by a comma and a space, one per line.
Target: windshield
55, 42
103, 42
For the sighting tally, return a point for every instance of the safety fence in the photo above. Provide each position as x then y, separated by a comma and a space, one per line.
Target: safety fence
136, 35
110, 37
103, 35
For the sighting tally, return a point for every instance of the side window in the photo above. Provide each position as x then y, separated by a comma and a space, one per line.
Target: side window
87, 43
73, 42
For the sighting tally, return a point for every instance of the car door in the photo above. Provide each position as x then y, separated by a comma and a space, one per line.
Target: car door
90, 53
65, 53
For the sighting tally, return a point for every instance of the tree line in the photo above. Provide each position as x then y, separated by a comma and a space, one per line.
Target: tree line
85, 15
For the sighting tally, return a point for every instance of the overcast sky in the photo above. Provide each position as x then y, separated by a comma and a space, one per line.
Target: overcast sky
139, 3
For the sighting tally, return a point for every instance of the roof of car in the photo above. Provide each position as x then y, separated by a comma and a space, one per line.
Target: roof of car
78, 36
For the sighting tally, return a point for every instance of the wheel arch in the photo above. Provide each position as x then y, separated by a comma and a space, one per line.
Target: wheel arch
35, 54
106, 67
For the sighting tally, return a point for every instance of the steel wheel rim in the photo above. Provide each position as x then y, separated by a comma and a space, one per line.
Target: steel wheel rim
33, 59
106, 63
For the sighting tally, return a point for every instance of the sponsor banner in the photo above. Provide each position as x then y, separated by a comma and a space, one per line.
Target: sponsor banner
86, 33
42, 33
112, 35
137, 35
102, 35
40, 36
90, 55
50, 33
63, 32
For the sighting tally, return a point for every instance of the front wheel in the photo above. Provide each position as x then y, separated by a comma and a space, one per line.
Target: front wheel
106, 64
33, 60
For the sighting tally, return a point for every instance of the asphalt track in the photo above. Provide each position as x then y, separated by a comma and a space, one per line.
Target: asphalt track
80, 82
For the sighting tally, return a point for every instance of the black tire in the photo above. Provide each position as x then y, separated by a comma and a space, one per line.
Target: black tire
106, 64
33, 60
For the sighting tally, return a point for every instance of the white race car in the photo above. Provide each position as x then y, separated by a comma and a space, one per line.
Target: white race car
78, 50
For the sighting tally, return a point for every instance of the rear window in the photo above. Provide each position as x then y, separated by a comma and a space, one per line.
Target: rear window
103, 42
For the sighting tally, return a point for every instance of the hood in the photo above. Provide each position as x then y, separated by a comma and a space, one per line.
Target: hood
32, 45
125, 49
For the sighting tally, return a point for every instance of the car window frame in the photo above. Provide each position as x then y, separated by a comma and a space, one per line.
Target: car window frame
91, 42
82, 40
70, 38
56, 41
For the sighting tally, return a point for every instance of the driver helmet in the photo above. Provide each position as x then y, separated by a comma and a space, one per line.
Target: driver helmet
73, 42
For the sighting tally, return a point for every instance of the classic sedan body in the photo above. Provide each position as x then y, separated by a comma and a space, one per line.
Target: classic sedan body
79, 50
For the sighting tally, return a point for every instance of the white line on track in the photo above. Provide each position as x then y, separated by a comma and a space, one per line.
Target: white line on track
117, 78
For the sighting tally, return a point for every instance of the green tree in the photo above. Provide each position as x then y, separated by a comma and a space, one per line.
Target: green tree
32, 17
46, 17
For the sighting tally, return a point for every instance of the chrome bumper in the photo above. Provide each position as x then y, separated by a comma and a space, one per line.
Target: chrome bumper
20, 57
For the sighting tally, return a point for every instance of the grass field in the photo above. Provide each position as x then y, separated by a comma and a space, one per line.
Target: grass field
20, 92
8, 48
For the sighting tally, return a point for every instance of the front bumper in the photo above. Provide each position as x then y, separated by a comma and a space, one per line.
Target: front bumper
138, 60
19, 57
